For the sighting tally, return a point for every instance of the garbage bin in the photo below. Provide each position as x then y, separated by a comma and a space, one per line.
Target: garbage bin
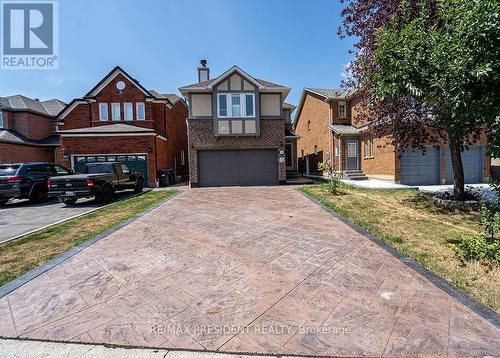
167, 177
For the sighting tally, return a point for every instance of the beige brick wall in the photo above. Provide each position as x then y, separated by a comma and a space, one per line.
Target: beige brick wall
383, 162
201, 137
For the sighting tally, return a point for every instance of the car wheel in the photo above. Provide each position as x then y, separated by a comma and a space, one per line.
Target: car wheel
3, 202
69, 201
139, 186
107, 194
38, 197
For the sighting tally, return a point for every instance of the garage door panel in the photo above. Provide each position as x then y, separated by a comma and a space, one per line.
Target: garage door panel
238, 167
420, 168
472, 160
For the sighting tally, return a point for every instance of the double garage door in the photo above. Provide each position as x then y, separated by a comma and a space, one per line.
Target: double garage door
237, 167
137, 162
424, 168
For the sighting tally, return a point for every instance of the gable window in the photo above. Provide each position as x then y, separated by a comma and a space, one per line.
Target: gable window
115, 112
140, 111
342, 110
127, 109
2, 125
103, 111
242, 105
236, 105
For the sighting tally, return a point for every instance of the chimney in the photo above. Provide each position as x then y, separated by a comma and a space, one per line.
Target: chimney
203, 71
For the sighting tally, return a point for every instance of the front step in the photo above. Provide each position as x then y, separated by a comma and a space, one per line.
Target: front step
292, 174
355, 175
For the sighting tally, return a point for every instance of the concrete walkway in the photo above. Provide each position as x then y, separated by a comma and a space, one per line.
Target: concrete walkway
251, 270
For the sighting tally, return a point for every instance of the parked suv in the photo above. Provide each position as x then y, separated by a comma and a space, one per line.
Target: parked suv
27, 180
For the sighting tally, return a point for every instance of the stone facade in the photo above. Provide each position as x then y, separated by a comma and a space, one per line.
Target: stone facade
201, 137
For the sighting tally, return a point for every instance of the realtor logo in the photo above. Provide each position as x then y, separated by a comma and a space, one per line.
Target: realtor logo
30, 35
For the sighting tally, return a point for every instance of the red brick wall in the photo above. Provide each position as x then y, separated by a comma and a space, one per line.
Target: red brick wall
110, 145
177, 138
23, 153
30, 125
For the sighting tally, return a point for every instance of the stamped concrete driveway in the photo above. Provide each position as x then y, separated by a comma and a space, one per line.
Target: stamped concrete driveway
257, 270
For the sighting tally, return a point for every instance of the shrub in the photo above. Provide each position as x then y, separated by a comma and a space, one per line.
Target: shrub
333, 177
490, 219
478, 247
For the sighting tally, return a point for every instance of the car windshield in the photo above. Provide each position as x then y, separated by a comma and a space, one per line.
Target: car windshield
98, 168
8, 169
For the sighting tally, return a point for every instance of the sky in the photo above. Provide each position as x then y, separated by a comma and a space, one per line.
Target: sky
160, 43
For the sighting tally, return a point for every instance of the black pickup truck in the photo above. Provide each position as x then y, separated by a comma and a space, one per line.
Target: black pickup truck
99, 180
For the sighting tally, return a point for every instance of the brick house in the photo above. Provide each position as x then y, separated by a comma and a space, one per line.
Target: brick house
237, 130
27, 130
119, 120
328, 132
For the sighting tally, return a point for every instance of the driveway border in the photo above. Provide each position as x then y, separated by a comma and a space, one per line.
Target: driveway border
479, 308
30, 275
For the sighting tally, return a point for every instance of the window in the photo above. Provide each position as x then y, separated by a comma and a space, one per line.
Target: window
127, 109
337, 150
183, 157
125, 169
60, 170
237, 127
249, 105
140, 112
175, 162
368, 146
242, 105
308, 125
222, 105
342, 110
235, 105
115, 112
103, 111
224, 127
2, 125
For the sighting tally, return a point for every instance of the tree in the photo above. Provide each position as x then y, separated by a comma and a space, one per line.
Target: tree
430, 70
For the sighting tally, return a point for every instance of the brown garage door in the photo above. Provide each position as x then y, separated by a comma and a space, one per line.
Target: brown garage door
238, 167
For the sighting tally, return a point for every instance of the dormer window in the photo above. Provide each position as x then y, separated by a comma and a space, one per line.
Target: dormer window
103, 111
342, 110
242, 105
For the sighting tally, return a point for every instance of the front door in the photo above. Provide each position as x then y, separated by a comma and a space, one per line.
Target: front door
352, 160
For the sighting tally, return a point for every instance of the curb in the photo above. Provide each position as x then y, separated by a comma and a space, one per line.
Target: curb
30, 275
460, 296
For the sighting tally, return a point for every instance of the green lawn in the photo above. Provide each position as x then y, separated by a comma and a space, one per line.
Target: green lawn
20, 256
410, 222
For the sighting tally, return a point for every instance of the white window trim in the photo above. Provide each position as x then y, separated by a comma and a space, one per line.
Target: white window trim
229, 105
101, 112
113, 105
125, 111
342, 115
137, 105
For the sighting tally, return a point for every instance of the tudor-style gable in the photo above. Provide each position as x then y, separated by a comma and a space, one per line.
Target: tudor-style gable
236, 102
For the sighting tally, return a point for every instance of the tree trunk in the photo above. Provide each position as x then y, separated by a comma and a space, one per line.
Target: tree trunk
458, 168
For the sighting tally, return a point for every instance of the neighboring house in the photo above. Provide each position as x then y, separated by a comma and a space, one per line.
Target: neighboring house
119, 120
26, 129
327, 124
239, 130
